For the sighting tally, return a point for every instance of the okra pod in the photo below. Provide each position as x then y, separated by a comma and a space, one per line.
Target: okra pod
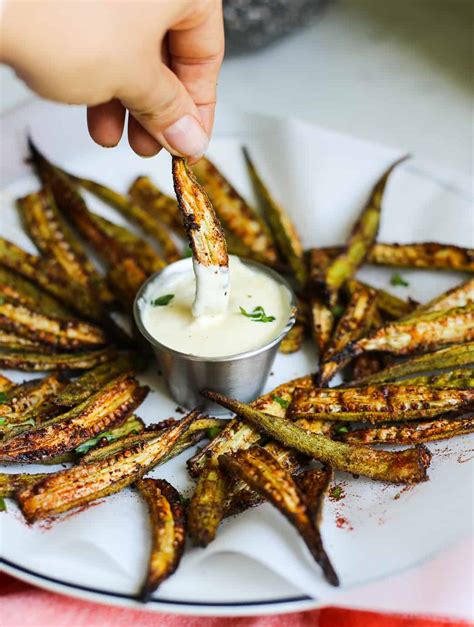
76, 486
283, 230
264, 475
136, 214
430, 330
235, 213
168, 531
413, 433
40, 362
382, 403
207, 505
408, 466
455, 356
360, 241
107, 408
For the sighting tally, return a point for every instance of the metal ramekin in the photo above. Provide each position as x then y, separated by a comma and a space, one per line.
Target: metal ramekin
240, 376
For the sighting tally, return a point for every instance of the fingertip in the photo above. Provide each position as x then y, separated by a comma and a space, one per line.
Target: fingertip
141, 141
105, 123
206, 113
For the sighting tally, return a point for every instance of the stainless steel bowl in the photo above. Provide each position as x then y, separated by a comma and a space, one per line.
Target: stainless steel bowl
240, 376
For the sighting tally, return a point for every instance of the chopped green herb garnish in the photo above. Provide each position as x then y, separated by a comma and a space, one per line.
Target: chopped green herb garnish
337, 311
398, 280
184, 500
3, 397
257, 315
212, 432
2, 421
83, 448
3, 505
281, 401
341, 429
335, 493
162, 301
187, 252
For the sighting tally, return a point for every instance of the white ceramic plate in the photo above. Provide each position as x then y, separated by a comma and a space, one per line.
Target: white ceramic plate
257, 563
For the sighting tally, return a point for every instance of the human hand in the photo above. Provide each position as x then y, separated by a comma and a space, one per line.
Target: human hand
158, 59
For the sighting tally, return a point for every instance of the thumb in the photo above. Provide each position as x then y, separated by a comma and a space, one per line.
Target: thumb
164, 108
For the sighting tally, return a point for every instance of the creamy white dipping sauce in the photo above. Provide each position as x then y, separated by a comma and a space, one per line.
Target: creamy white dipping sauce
228, 333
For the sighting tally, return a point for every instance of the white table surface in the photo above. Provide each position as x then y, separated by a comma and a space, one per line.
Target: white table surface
396, 72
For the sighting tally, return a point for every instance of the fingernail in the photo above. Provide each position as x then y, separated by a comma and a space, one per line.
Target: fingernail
187, 137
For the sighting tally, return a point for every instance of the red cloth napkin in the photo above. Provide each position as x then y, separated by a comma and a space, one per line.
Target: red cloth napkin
23, 605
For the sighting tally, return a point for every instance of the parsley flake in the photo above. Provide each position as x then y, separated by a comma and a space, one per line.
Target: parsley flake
398, 281
257, 315
337, 311
162, 301
3, 397
341, 429
212, 432
281, 401
3, 505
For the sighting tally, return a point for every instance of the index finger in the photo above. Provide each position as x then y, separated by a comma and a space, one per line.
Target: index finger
196, 55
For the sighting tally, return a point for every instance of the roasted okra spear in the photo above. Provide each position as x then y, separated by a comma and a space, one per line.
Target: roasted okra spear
11, 482
293, 340
322, 316
107, 408
234, 212
91, 382
59, 333
207, 505
455, 356
428, 331
76, 486
354, 323
11, 341
408, 466
168, 531
413, 433
47, 277
22, 291
264, 475
361, 239
423, 255
135, 213
203, 229
162, 207
74, 208
54, 238
21, 400
314, 484
197, 431
459, 296
283, 229
39, 362
237, 434
383, 403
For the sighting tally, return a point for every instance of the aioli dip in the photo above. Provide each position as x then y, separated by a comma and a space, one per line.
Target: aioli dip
258, 310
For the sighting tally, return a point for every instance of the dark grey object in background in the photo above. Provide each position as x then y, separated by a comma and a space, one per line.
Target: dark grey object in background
253, 24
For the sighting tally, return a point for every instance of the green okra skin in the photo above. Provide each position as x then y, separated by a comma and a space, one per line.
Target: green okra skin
413, 433
453, 357
382, 403
361, 239
207, 505
283, 229
260, 470
135, 213
408, 466
168, 531
430, 330
79, 485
